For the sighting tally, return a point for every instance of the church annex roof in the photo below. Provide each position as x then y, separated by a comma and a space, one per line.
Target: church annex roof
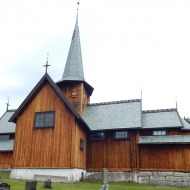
186, 125
163, 118
114, 115
5, 126
168, 139
6, 145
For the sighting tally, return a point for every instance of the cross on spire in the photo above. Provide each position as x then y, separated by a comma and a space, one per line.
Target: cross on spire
78, 3
7, 104
47, 65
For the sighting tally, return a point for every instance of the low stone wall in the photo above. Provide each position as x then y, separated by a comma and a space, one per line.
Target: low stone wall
112, 176
173, 179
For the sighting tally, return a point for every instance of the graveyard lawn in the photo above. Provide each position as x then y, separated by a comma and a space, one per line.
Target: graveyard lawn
20, 185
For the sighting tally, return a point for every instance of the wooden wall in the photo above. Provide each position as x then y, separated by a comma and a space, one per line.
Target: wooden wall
116, 155
128, 155
81, 95
50, 147
6, 159
171, 157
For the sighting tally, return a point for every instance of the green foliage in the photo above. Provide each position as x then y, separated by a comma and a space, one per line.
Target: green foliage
20, 185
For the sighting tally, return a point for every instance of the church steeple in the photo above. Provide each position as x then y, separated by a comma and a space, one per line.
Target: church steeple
73, 84
74, 66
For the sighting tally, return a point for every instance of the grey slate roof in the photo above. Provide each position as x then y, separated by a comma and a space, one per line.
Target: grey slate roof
6, 145
168, 139
74, 67
113, 115
186, 125
5, 126
165, 118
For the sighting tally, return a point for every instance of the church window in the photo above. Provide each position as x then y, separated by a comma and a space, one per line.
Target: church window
44, 119
81, 144
121, 135
159, 132
98, 136
76, 104
74, 93
4, 137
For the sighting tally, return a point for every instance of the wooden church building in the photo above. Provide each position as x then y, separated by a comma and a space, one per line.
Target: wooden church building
56, 131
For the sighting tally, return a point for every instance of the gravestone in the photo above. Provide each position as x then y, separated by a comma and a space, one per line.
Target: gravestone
4, 186
104, 187
47, 184
104, 176
31, 185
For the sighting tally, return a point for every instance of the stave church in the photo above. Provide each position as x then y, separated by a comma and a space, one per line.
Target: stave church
57, 133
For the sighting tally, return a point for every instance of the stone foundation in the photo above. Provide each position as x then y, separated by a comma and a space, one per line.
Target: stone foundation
173, 179
56, 175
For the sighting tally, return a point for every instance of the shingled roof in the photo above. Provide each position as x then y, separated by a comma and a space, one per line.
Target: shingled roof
168, 139
114, 115
74, 66
5, 126
163, 118
6, 145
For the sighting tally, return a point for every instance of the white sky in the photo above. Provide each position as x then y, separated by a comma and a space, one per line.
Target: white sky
125, 43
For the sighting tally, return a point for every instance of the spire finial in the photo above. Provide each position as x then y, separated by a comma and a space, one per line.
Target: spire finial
176, 101
78, 3
7, 104
47, 65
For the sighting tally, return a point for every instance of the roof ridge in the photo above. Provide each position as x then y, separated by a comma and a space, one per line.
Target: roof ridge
11, 110
159, 110
115, 102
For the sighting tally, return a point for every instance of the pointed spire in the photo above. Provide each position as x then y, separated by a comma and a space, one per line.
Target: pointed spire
74, 66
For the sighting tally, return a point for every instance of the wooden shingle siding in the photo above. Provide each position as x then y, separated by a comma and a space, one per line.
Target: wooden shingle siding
6, 159
82, 97
164, 157
116, 155
48, 147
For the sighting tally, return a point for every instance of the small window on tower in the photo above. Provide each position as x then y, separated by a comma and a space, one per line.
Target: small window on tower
76, 104
74, 93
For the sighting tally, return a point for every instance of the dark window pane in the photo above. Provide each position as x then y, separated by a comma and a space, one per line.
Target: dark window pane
159, 133
121, 135
98, 136
4, 137
44, 119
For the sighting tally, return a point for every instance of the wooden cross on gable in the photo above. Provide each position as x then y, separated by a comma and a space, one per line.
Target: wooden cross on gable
8, 104
47, 65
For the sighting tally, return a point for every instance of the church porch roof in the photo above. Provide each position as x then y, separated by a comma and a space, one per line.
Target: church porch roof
168, 139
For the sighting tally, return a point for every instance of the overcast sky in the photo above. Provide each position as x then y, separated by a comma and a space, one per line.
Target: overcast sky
125, 43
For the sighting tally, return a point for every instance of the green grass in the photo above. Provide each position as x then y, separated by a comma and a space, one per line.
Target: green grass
20, 185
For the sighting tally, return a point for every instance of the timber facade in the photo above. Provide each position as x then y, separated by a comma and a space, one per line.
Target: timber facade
57, 130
